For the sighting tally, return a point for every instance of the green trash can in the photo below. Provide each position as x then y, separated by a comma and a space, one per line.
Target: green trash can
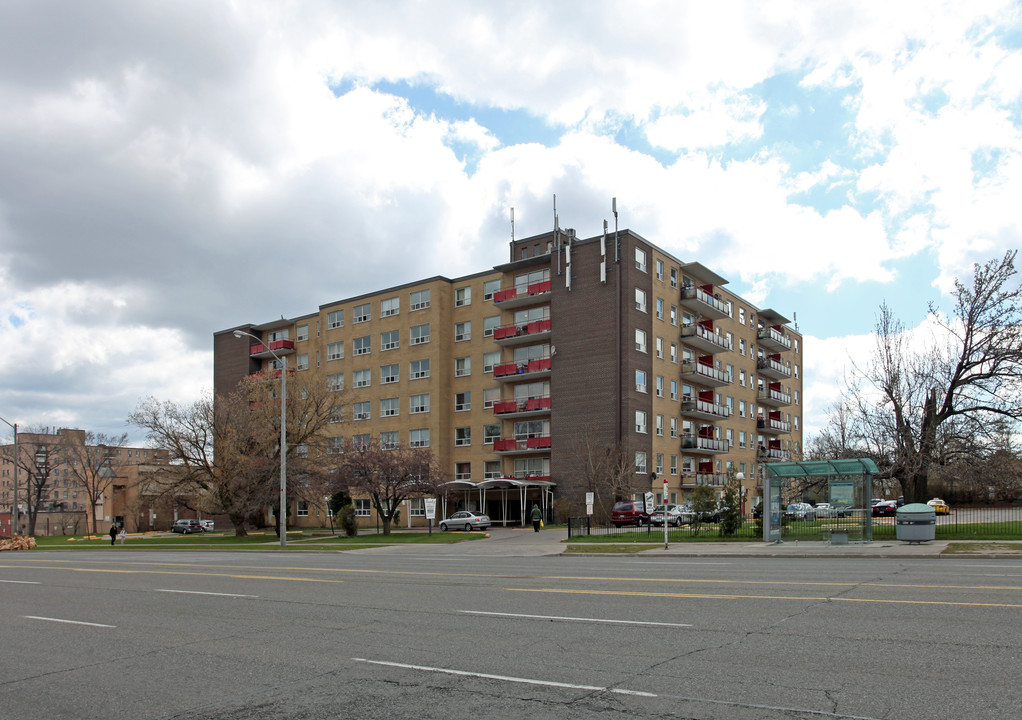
916, 523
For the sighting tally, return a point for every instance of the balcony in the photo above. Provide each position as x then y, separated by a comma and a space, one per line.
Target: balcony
522, 445
772, 367
701, 300
704, 374
694, 480
772, 426
521, 295
520, 408
519, 334
704, 339
281, 347
773, 338
694, 407
774, 396
524, 370
772, 455
700, 444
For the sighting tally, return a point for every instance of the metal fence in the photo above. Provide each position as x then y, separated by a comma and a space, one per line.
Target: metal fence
981, 522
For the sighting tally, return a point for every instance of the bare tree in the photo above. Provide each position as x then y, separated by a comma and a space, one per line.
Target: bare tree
89, 458
224, 452
38, 459
388, 476
956, 388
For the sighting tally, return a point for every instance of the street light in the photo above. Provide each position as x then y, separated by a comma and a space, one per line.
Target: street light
329, 514
14, 500
282, 514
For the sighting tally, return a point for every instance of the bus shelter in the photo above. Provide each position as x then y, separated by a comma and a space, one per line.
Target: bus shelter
849, 492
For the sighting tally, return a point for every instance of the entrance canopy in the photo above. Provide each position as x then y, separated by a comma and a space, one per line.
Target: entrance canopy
816, 468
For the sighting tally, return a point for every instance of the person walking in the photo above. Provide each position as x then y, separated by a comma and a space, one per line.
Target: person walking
537, 517
113, 534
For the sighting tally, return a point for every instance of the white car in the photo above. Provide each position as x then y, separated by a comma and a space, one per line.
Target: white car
825, 510
677, 515
466, 520
207, 525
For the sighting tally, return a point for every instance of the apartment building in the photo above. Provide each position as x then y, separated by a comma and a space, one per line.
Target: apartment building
64, 505
501, 372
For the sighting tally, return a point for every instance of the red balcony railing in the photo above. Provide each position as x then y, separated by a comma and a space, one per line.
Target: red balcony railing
522, 368
522, 405
513, 293
517, 329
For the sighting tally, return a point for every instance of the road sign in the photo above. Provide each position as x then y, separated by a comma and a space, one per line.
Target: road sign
649, 502
430, 504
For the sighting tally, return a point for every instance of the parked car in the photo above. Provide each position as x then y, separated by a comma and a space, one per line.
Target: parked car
677, 515
187, 527
825, 510
466, 520
939, 507
628, 512
801, 511
885, 508
207, 525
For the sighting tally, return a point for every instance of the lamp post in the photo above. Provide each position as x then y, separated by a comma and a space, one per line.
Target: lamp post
329, 514
14, 499
282, 514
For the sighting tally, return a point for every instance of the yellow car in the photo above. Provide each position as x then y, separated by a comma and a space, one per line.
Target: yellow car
939, 507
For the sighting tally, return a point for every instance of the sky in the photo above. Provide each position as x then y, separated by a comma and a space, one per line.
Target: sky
168, 170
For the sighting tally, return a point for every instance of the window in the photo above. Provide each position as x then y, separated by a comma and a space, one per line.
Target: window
659, 308
389, 440
640, 259
674, 314
361, 313
335, 446
362, 507
462, 331
490, 324
335, 351
660, 348
795, 421
659, 385
361, 345
660, 426
389, 407
303, 333
741, 408
419, 369
463, 471
796, 347
659, 466
674, 352
360, 410
674, 464
741, 346
418, 438
659, 270
674, 277
490, 287
335, 383
302, 361
730, 437
489, 360
796, 397
640, 380
640, 340
419, 334
336, 413
640, 421
674, 427
741, 377
491, 396
360, 442
462, 436
362, 378
419, 404
302, 509
491, 469
640, 300
741, 316
462, 297
390, 340
420, 300
640, 462
462, 366
463, 401
795, 369
389, 373
674, 389
741, 438
730, 372
335, 319
390, 306
490, 433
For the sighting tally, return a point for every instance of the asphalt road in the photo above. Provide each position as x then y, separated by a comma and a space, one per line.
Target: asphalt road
456, 632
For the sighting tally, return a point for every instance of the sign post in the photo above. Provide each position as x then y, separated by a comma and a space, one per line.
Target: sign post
665, 511
430, 504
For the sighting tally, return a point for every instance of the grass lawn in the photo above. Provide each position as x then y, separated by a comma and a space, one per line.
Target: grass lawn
254, 541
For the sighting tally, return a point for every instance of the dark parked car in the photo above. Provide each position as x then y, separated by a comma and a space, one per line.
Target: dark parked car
187, 527
757, 512
628, 512
885, 508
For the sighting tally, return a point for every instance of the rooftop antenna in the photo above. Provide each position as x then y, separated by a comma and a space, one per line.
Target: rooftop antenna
794, 316
512, 226
617, 243
557, 236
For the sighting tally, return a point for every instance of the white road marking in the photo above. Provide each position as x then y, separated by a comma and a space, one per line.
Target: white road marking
69, 622
196, 592
20, 582
506, 678
576, 619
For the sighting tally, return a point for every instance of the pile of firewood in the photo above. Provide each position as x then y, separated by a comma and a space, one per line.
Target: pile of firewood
18, 542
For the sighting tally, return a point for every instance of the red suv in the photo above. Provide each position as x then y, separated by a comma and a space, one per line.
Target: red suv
628, 512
